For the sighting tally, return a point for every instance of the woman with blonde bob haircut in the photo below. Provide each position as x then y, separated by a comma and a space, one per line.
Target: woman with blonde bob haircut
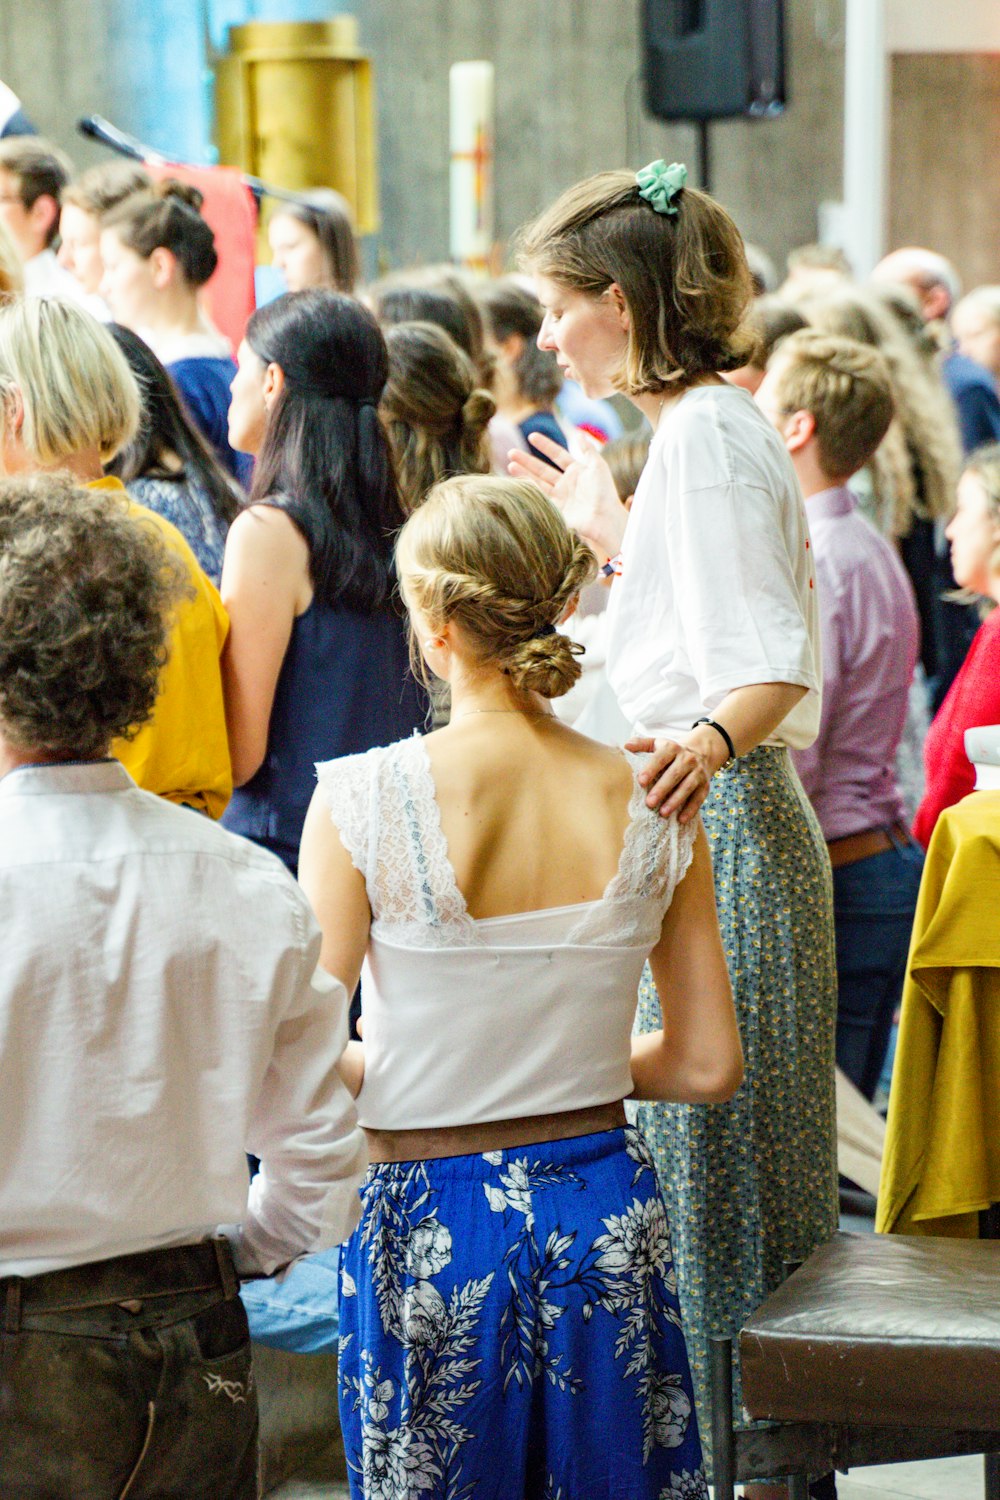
714, 657
68, 401
502, 882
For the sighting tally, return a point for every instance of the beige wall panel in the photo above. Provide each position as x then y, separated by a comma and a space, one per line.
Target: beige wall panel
944, 159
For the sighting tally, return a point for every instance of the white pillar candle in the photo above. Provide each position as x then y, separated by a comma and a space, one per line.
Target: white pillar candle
472, 230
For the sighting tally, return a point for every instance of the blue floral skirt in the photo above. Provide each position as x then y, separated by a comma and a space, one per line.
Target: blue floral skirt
752, 1184
509, 1327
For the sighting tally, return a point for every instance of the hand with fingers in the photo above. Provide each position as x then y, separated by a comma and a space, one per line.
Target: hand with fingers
676, 778
582, 488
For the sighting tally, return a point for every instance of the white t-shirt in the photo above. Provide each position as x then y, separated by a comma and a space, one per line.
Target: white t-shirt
717, 589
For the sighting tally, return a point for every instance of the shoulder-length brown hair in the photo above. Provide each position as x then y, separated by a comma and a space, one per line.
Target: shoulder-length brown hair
684, 276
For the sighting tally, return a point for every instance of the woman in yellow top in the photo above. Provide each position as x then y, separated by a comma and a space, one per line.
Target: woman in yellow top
69, 402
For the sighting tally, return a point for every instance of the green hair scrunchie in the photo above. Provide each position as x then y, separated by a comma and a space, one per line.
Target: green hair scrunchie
660, 184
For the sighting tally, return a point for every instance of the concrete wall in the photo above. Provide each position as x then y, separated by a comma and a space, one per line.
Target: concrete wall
569, 102
568, 99
944, 180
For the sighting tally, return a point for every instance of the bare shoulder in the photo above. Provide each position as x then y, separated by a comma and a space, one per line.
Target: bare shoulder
267, 528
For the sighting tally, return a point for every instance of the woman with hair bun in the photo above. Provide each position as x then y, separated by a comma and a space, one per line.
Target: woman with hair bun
316, 663
436, 415
507, 1300
158, 252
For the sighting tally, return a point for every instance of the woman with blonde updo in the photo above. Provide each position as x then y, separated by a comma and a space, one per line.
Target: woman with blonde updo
501, 881
436, 415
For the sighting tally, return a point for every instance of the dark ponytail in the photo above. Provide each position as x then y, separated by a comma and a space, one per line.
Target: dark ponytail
325, 457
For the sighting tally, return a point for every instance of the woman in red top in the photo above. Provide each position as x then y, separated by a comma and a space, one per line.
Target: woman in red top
974, 696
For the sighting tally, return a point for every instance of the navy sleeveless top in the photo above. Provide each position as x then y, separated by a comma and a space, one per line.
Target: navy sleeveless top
345, 686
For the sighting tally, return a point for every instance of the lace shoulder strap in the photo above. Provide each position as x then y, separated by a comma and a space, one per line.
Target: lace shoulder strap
384, 807
350, 786
658, 851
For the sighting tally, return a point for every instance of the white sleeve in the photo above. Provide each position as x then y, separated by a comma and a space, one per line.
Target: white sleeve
738, 600
303, 1124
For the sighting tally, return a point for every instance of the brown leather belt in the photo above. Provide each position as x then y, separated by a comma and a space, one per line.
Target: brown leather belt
494, 1135
855, 846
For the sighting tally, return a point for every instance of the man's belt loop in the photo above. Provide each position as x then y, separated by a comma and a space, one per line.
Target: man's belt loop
227, 1271
12, 1306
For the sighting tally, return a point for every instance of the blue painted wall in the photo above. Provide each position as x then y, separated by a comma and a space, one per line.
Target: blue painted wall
162, 51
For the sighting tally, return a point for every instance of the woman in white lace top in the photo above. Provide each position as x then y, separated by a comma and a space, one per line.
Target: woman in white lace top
509, 1320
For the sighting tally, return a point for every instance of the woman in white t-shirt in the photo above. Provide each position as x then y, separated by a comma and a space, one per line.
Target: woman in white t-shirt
508, 1318
713, 653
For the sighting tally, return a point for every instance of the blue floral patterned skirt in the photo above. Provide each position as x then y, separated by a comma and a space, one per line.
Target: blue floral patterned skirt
509, 1327
751, 1184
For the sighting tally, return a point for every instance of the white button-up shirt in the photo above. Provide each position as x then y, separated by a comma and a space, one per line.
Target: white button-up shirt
161, 1012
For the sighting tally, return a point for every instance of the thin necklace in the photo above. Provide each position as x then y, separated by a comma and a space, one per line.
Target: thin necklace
524, 713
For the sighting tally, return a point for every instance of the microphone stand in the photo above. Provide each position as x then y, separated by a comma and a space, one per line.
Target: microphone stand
97, 128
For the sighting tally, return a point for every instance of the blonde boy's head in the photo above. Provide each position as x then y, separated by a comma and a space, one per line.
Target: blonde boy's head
844, 386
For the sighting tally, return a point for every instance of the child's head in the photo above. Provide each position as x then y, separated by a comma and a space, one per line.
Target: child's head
493, 562
830, 398
639, 299
772, 320
626, 458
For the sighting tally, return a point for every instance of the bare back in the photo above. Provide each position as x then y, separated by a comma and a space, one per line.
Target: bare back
534, 814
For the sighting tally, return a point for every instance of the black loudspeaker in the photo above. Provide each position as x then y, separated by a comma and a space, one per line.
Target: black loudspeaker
706, 59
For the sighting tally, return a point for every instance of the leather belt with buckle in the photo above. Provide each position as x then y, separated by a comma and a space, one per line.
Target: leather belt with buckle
856, 846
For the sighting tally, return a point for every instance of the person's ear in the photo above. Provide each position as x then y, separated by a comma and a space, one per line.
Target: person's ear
43, 215
274, 384
162, 267
435, 647
12, 454
798, 430
616, 297
13, 410
936, 302
512, 347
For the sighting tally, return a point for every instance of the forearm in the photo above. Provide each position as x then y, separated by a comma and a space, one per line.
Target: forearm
304, 1129
661, 1071
749, 715
606, 532
352, 1068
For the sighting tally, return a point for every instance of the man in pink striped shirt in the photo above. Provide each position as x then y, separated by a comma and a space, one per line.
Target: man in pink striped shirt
831, 400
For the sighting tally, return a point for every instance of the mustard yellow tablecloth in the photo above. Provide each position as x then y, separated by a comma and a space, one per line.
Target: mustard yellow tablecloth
942, 1153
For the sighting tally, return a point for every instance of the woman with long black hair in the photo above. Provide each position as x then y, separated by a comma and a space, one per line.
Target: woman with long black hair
316, 663
168, 466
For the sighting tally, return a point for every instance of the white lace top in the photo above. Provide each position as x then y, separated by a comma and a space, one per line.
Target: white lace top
468, 1020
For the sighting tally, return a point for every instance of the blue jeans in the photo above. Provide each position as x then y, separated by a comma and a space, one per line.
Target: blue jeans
873, 902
